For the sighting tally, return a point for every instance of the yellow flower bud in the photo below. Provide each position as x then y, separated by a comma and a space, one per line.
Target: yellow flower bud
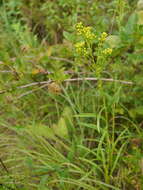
107, 51
103, 37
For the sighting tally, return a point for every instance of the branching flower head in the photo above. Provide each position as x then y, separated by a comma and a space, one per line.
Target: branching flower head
84, 31
107, 51
103, 37
87, 47
88, 34
79, 28
81, 48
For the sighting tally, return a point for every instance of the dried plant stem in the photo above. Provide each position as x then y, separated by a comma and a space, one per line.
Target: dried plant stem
97, 79
3, 165
79, 79
72, 80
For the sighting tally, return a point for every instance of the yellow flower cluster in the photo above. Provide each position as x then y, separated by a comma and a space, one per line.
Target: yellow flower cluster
79, 28
107, 51
103, 37
85, 31
81, 49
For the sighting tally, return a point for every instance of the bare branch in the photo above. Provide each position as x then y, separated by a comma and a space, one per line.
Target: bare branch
77, 79
96, 79
35, 83
6, 71
31, 91
70, 80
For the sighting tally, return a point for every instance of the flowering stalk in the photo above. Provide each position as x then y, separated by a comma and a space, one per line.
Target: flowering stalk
84, 48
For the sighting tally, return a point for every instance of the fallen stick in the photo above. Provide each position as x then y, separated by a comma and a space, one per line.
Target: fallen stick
71, 80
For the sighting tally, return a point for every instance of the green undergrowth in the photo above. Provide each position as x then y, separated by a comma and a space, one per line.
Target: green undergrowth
71, 98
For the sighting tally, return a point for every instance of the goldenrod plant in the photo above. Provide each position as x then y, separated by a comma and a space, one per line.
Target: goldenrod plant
97, 58
71, 98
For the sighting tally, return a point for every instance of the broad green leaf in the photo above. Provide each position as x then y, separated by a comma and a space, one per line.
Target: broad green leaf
42, 130
68, 36
61, 128
113, 41
131, 24
68, 115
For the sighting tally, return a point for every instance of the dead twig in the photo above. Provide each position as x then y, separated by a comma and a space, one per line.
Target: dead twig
3, 165
97, 79
31, 91
68, 80
78, 79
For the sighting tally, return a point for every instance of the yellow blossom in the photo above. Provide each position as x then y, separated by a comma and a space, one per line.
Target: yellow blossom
85, 31
79, 28
107, 51
103, 36
79, 45
81, 49
88, 33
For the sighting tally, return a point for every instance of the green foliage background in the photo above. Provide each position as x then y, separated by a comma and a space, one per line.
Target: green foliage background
70, 135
